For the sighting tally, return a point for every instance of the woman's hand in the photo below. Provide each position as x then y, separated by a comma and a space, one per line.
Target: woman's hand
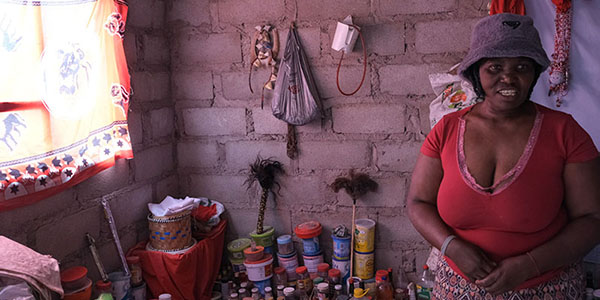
508, 275
471, 260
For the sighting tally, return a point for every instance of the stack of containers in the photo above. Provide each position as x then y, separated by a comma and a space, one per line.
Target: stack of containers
309, 233
287, 256
364, 248
259, 266
236, 253
341, 253
264, 239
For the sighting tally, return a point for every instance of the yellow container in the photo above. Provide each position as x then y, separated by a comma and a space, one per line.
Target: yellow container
364, 235
364, 264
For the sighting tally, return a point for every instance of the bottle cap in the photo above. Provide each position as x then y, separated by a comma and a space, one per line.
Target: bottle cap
334, 273
279, 270
425, 267
281, 287
338, 287
323, 287
268, 289
233, 295
254, 290
288, 291
301, 269
359, 292
322, 267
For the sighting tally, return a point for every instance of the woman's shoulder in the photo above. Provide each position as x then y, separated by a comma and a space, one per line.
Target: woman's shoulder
552, 113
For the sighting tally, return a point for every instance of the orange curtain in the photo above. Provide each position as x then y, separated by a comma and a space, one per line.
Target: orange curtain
64, 95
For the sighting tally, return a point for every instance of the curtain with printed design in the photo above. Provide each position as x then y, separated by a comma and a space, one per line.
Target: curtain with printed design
64, 95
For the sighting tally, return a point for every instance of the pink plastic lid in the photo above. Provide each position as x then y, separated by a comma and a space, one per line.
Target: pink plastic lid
308, 229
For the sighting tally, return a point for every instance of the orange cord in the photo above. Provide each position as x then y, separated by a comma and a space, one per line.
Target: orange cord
337, 76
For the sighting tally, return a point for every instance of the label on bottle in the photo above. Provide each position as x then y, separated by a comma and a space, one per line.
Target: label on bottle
423, 292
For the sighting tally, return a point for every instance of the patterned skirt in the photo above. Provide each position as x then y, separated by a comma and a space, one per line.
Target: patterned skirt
568, 285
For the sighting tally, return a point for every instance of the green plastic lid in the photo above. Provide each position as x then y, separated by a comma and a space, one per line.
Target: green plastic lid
238, 245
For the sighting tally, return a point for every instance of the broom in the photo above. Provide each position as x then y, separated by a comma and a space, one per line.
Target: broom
356, 186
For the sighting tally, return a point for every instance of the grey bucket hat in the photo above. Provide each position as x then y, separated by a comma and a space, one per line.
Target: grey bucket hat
504, 35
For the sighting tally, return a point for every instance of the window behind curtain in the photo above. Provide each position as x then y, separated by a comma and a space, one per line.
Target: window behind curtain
64, 95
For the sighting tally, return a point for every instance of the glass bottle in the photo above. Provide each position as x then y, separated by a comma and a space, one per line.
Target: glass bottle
268, 293
280, 291
304, 277
301, 293
242, 293
289, 293
323, 291
337, 291
255, 294
280, 276
322, 270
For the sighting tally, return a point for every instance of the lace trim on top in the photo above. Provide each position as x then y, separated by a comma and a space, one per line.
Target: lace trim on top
511, 175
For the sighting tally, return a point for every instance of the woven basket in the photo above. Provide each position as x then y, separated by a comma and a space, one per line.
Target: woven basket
170, 233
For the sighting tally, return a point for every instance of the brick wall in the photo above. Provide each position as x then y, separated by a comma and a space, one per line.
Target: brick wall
57, 226
378, 131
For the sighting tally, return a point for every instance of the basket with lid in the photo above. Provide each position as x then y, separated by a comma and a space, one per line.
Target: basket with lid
170, 232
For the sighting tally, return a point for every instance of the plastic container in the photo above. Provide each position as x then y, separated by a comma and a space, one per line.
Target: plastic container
139, 292
260, 270
334, 276
136, 270
425, 283
83, 293
364, 235
385, 291
264, 239
236, 248
290, 263
104, 290
74, 279
381, 273
322, 270
121, 285
304, 278
309, 233
341, 247
364, 264
312, 261
255, 254
280, 277
285, 245
343, 266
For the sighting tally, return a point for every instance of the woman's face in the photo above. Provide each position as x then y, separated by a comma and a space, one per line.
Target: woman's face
506, 81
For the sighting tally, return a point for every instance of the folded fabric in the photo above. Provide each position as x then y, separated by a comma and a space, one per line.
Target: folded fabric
40, 271
204, 213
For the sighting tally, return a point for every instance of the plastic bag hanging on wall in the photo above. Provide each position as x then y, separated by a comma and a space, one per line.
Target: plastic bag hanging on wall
296, 99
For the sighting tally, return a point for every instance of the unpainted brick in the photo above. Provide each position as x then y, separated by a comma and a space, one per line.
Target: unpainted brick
134, 124
243, 221
67, 235
369, 119
193, 49
156, 49
131, 206
266, 123
350, 77
163, 122
255, 12
333, 9
394, 7
147, 13
227, 189
190, 12
167, 187
309, 39
239, 155
400, 157
334, 155
214, 121
105, 182
443, 36
192, 85
197, 154
407, 79
153, 162
384, 39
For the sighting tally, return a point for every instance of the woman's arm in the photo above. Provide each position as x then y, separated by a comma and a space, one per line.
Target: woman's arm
422, 211
580, 235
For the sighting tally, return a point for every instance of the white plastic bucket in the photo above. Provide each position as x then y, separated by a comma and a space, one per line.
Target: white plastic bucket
260, 270
139, 292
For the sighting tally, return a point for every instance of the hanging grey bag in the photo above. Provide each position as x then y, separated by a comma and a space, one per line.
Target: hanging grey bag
295, 99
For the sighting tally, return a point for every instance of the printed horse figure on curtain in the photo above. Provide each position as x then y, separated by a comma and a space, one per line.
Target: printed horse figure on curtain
11, 125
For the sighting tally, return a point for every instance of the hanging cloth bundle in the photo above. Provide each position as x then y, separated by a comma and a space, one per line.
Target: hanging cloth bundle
296, 99
263, 52
559, 67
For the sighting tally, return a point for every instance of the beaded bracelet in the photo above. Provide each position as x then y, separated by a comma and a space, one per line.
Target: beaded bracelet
445, 244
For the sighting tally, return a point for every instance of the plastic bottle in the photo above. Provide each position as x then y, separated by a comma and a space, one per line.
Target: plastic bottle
104, 290
359, 294
385, 291
304, 277
425, 284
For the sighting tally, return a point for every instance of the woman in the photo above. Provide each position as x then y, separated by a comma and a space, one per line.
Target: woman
508, 190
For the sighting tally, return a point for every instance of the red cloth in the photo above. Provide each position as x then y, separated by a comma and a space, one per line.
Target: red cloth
508, 6
501, 223
186, 276
203, 213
